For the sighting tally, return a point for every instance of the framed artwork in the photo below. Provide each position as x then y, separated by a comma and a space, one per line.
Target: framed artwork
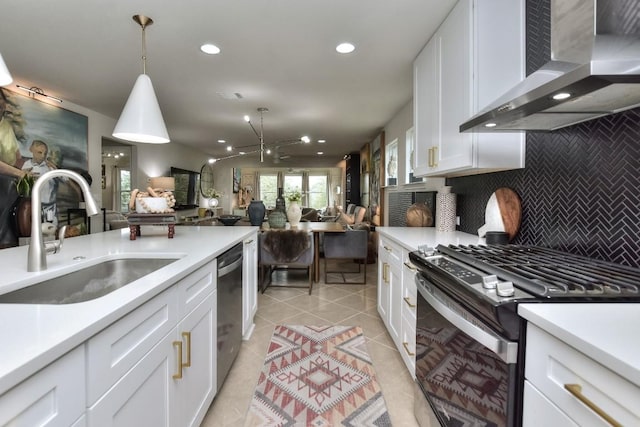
237, 178
36, 136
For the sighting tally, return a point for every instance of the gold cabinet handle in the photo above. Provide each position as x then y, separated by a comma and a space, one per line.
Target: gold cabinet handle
435, 157
406, 348
385, 272
576, 391
410, 267
187, 339
408, 301
388, 249
248, 242
429, 159
178, 345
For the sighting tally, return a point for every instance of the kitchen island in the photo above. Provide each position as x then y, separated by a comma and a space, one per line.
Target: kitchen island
35, 335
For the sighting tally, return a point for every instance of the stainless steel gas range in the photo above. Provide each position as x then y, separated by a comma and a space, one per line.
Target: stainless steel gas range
469, 338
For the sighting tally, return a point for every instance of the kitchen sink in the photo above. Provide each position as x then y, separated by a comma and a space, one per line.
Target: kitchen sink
88, 283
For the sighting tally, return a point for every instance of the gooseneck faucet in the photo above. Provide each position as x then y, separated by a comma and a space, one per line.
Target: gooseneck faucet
37, 256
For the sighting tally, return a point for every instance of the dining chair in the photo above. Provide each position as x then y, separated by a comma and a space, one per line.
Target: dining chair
350, 245
285, 250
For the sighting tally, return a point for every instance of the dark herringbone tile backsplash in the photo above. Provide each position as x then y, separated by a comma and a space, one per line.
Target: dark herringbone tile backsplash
580, 189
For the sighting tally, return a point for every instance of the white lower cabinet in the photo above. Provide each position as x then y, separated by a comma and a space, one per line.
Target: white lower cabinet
157, 365
390, 286
249, 285
567, 384
397, 298
54, 396
409, 306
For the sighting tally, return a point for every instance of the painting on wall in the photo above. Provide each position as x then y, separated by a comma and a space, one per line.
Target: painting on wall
237, 178
36, 137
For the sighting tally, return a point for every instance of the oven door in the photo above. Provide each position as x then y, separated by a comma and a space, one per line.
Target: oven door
465, 370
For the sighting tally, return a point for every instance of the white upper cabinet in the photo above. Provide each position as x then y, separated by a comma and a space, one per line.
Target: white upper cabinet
476, 55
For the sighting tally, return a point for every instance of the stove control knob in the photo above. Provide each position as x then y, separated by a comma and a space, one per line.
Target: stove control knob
489, 282
505, 289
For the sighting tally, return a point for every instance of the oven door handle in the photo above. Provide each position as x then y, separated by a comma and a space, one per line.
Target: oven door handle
504, 349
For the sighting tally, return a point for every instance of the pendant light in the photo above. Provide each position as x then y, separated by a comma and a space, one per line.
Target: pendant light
141, 119
5, 76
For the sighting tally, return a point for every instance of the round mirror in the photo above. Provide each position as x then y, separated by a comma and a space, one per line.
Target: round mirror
206, 179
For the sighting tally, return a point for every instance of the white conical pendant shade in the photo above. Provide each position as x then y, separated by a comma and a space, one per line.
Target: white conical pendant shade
141, 119
5, 76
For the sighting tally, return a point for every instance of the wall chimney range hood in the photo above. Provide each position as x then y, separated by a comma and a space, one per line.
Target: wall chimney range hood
594, 71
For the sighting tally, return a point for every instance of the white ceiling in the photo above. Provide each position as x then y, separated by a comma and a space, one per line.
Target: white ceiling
278, 54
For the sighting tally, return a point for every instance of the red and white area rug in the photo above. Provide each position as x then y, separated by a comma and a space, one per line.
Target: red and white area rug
317, 376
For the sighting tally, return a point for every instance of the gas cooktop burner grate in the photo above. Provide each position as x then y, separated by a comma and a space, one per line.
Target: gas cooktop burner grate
546, 272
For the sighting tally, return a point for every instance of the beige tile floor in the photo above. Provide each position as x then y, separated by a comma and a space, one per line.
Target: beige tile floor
351, 305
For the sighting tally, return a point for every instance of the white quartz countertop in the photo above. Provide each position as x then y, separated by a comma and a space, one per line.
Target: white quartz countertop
606, 332
412, 237
34, 335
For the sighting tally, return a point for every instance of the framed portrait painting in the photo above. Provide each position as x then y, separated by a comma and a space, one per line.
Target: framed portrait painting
36, 137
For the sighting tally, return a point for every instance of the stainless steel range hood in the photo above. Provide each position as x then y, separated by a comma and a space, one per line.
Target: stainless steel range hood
595, 50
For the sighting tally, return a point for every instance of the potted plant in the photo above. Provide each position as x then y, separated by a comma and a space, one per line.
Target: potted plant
294, 211
22, 207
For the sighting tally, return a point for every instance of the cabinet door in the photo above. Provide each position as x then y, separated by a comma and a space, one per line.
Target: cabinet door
395, 302
426, 111
453, 150
54, 396
145, 396
197, 387
249, 285
383, 284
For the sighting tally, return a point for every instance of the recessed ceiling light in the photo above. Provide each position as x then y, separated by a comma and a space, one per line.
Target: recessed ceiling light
268, 151
490, 125
212, 161
229, 148
242, 153
305, 139
221, 141
320, 153
345, 48
562, 95
210, 49
321, 141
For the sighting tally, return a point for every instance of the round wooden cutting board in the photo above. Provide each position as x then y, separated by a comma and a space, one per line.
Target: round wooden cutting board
510, 210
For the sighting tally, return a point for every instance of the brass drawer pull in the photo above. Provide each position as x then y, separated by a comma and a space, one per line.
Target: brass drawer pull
406, 348
388, 249
187, 338
385, 273
408, 301
576, 391
178, 345
435, 157
410, 267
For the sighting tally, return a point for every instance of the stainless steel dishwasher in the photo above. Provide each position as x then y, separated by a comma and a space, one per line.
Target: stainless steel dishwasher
229, 314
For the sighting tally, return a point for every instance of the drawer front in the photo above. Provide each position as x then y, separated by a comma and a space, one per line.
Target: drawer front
409, 292
551, 365
393, 251
194, 288
408, 341
115, 350
540, 411
53, 396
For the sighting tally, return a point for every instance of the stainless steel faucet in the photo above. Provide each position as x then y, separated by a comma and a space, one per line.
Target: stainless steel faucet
37, 256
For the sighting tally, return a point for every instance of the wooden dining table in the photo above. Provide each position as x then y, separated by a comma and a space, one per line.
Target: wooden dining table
316, 228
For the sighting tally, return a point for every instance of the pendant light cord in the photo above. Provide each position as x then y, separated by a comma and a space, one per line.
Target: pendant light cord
144, 50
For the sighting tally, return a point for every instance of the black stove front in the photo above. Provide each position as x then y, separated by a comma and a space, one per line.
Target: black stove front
469, 337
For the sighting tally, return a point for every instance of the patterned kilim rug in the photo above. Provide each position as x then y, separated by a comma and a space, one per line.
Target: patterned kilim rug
317, 376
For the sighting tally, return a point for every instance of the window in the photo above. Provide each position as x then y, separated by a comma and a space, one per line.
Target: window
125, 189
318, 197
293, 182
313, 186
268, 189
